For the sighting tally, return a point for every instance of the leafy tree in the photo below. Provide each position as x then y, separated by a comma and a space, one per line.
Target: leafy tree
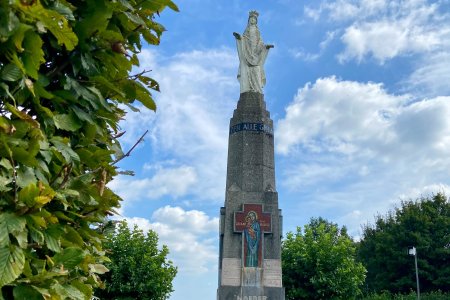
64, 69
319, 263
138, 269
425, 224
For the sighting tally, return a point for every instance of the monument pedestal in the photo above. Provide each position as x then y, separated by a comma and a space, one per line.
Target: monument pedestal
250, 293
250, 222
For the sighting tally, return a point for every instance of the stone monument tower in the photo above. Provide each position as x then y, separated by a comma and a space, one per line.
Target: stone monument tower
250, 222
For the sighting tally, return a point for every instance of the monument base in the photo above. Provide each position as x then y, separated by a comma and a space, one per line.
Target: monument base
250, 293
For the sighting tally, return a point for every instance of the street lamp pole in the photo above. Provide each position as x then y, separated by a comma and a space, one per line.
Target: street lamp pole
413, 251
417, 276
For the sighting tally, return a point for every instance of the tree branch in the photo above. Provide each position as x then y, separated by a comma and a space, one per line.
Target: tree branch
132, 148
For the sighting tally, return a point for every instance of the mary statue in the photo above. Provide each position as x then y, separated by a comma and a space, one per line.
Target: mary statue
252, 55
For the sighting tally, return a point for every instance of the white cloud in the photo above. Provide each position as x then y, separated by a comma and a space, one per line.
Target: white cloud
387, 39
431, 77
173, 182
341, 10
189, 125
191, 237
362, 119
196, 220
386, 29
335, 115
425, 191
348, 146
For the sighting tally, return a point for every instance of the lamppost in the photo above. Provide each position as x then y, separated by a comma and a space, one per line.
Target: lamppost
413, 251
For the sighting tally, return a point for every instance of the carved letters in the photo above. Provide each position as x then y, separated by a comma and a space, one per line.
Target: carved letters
252, 298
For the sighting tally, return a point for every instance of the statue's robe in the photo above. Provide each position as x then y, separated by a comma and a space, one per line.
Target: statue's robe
252, 55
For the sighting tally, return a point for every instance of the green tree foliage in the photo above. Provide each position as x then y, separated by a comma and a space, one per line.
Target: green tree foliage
425, 224
319, 263
436, 295
64, 69
138, 270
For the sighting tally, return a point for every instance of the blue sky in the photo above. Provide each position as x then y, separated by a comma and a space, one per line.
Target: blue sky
359, 91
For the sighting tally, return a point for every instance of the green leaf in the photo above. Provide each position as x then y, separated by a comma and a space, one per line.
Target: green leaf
6, 163
151, 38
64, 10
22, 115
82, 115
32, 195
73, 236
69, 257
67, 291
26, 292
106, 84
61, 145
40, 91
22, 155
36, 235
52, 238
88, 63
95, 20
83, 288
33, 56
144, 96
73, 292
4, 234
135, 18
8, 22
173, 6
10, 72
126, 5
66, 122
98, 268
5, 87
159, 5
28, 194
22, 238
12, 260
55, 22
4, 181
25, 176
150, 82
10, 224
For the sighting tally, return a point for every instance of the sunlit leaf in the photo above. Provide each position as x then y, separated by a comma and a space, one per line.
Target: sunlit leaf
98, 268
53, 21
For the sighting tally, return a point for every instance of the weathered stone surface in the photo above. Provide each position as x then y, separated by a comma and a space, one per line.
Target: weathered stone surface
250, 181
250, 293
231, 272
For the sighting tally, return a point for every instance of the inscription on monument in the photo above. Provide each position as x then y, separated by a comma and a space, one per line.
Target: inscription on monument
252, 298
258, 127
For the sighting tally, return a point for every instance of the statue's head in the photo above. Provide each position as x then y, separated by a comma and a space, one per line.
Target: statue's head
253, 17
